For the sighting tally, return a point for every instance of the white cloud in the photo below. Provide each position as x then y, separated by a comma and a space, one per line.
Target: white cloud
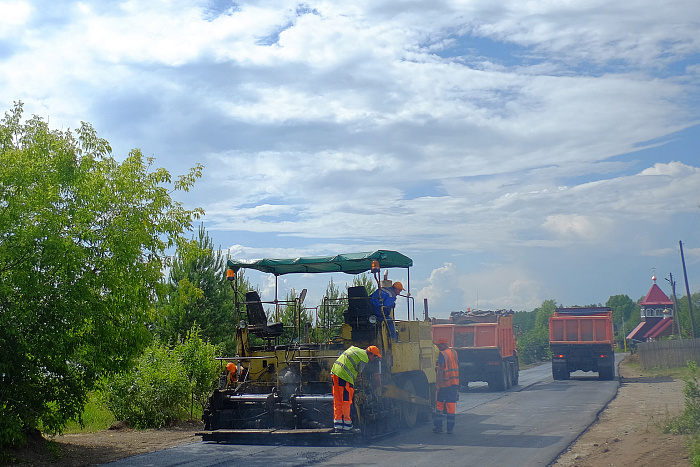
582, 227
502, 133
13, 14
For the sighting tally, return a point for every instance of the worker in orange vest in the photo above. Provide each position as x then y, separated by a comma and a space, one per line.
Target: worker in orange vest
447, 370
234, 372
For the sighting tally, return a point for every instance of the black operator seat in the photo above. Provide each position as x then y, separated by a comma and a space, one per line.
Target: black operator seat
258, 323
359, 305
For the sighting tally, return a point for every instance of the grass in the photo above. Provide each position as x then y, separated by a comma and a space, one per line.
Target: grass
683, 372
96, 417
688, 423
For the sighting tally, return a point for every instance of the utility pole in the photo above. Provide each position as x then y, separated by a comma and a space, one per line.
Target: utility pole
687, 290
676, 316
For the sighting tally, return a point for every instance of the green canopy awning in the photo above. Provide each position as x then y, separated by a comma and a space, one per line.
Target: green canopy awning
351, 263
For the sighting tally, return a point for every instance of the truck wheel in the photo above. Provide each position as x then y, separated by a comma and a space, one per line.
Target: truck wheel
409, 409
559, 373
509, 374
516, 373
606, 373
497, 381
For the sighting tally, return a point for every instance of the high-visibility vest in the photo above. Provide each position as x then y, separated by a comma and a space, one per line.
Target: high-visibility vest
451, 373
348, 364
232, 376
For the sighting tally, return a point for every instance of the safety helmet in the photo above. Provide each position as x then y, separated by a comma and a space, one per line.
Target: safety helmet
442, 340
374, 350
398, 285
231, 367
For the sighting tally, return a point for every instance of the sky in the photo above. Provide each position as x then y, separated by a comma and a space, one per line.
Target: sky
517, 151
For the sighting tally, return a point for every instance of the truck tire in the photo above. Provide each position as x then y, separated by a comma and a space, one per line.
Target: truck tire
497, 381
409, 409
516, 372
606, 373
560, 373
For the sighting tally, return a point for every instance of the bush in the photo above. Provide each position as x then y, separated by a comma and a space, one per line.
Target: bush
688, 423
164, 383
533, 346
196, 358
153, 394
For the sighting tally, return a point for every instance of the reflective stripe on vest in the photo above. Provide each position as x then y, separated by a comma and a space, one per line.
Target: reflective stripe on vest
347, 365
451, 368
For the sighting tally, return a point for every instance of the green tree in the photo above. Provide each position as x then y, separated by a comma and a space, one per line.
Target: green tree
196, 358
684, 313
82, 238
543, 313
153, 393
625, 316
331, 312
297, 320
523, 322
197, 291
366, 281
533, 346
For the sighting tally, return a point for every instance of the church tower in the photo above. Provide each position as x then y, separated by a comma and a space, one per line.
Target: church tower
657, 316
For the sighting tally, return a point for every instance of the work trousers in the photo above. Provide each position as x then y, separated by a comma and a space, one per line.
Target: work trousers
342, 402
446, 407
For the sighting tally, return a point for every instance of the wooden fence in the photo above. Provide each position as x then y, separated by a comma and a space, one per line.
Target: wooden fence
668, 354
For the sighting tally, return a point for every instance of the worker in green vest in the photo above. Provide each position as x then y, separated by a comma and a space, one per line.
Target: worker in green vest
343, 374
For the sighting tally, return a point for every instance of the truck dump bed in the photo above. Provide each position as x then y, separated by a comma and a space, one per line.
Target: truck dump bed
592, 325
485, 346
582, 339
496, 332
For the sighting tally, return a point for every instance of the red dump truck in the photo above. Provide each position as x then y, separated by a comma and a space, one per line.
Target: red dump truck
582, 339
485, 345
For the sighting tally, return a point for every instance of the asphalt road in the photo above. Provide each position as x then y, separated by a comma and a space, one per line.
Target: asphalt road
528, 425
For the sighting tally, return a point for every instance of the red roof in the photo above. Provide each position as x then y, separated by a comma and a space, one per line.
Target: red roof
636, 330
660, 327
640, 332
656, 296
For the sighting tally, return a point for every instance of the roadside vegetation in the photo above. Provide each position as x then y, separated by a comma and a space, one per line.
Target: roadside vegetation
688, 423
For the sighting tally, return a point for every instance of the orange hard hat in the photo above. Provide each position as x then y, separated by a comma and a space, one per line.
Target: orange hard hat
230, 366
373, 349
441, 340
398, 285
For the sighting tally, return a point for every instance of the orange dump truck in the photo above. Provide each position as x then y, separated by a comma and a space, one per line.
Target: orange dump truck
485, 345
582, 339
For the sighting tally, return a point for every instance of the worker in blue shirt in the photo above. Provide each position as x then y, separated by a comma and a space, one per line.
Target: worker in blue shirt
385, 309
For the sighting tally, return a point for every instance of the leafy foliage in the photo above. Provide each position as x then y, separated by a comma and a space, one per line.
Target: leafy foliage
625, 315
688, 422
196, 357
164, 383
366, 281
684, 314
533, 345
297, 320
82, 237
523, 322
331, 313
153, 394
197, 291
